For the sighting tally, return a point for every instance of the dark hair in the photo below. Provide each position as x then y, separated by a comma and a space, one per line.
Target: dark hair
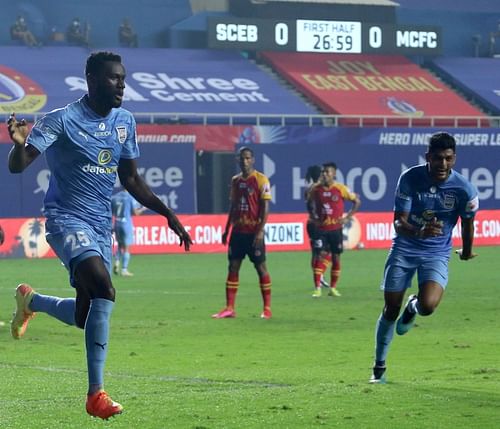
244, 149
330, 165
441, 141
96, 60
313, 173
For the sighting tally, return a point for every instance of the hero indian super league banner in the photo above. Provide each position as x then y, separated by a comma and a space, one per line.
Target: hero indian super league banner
371, 170
478, 76
369, 85
158, 80
168, 170
225, 137
25, 238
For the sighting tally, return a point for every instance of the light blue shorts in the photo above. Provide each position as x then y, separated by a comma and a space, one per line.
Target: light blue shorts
124, 234
74, 240
399, 271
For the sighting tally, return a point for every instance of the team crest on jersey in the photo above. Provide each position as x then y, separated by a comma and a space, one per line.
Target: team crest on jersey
122, 134
449, 201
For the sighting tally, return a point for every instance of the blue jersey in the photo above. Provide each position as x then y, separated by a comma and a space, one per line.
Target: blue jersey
122, 207
83, 150
424, 200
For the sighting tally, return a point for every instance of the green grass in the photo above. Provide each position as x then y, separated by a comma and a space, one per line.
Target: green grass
172, 366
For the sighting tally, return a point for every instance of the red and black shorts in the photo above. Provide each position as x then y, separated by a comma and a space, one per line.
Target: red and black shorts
241, 244
329, 241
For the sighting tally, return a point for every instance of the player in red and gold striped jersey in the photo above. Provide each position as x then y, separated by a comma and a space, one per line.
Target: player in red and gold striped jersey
326, 208
248, 211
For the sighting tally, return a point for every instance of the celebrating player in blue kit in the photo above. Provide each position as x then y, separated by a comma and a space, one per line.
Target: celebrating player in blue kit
87, 143
123, 207
429, 200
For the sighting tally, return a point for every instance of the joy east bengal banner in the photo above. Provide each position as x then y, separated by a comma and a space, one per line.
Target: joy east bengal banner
369, 85
25, 238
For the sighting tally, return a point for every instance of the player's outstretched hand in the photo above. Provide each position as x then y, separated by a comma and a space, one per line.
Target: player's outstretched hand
18, 130
175, 225
465, 257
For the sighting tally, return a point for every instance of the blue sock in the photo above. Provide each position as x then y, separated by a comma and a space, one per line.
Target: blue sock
96, 338
62, 309
383, 337
126, 259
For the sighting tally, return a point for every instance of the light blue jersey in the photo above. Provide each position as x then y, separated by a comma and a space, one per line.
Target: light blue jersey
424, 200
123, 206
83, 151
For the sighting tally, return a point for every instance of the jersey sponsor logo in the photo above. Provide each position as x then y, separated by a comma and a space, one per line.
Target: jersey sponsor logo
122, 134
18, 93
104, 157
428, 214
97, 169
99, 134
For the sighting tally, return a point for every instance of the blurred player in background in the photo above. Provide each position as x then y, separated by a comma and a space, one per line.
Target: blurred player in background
2, 235
326, 210
87, 143
429, 200
123, 207
248, 211
313, 175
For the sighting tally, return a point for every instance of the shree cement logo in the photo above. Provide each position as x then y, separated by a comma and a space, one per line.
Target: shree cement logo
18, 93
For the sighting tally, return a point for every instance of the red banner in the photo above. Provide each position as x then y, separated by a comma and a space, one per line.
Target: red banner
25, 238
209, 138
370, 85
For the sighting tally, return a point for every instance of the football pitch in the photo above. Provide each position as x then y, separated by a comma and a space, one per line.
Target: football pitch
171, 366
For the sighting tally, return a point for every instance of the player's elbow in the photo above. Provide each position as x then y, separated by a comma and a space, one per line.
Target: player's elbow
15, 169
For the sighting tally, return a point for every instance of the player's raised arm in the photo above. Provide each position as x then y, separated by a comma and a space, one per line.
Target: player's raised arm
130, 179
21, 155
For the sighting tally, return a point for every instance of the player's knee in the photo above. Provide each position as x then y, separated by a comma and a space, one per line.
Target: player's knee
391, 313
108, 292
426, 309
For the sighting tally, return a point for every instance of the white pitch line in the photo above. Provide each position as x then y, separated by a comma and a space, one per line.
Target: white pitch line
153, 378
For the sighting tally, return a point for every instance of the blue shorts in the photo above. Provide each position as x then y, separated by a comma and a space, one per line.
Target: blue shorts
399, 271
74, 240
124, 234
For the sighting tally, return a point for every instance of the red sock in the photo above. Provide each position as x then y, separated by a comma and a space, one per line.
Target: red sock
318, 271
265, 290
232, 284
327, 259
335, 273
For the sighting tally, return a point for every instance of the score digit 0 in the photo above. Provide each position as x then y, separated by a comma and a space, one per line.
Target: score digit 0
281, 34
375, 37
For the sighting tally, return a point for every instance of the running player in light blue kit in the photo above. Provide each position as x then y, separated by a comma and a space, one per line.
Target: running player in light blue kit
429, 200
123, 207
87, 143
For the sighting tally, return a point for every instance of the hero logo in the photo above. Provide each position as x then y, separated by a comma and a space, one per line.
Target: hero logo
237, 33
416, 39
